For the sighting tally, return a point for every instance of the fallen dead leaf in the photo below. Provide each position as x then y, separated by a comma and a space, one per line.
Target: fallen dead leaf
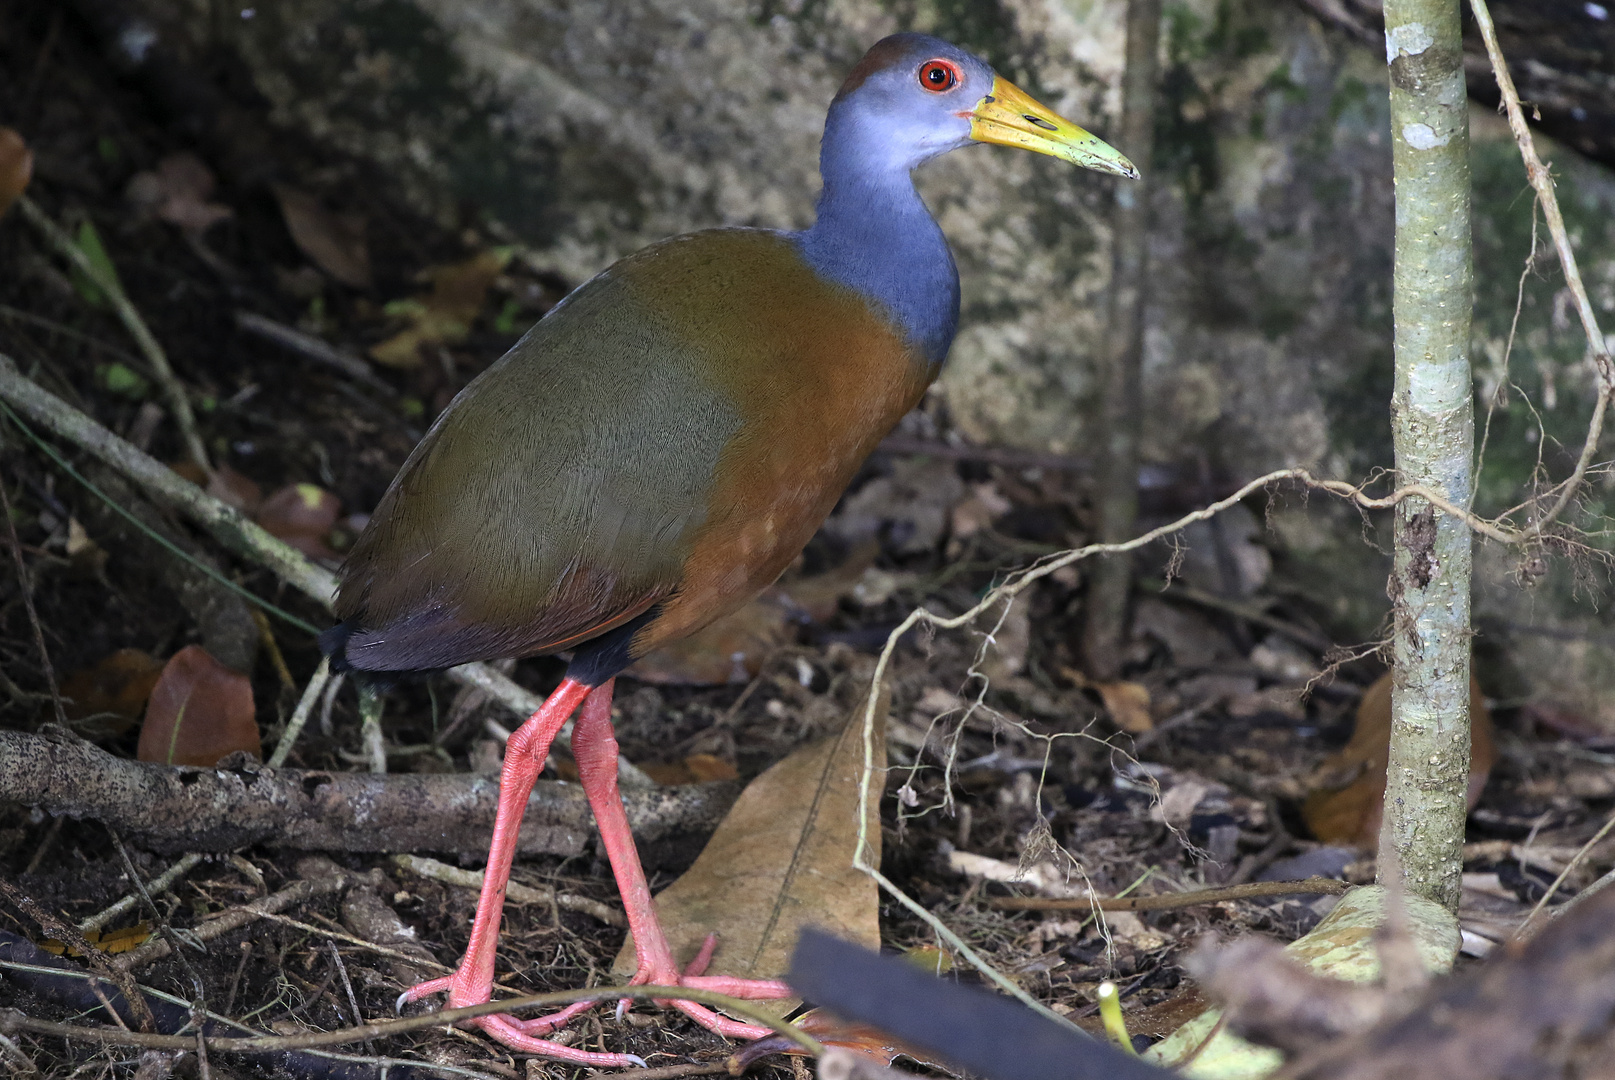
302, 515
333, 242
199, 712
459, 293
16, 167
177, 192
781, 860
695, 769
117, 685
111, 942
1349, 788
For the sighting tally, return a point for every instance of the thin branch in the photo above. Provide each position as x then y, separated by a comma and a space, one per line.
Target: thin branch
173, 389
159, 885
1524, 930
26, 588
1542, 182
1173, 901
12, 1021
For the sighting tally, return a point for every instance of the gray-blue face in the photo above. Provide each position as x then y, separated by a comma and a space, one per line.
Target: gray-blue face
917, 92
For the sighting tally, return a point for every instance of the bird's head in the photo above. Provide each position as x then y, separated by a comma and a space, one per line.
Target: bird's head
913, 97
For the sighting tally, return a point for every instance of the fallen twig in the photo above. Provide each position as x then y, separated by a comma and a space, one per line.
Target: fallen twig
318, 878
314, 348
221, 809
1525, 928
13, 1021
1173, 901
173, 390
515, 892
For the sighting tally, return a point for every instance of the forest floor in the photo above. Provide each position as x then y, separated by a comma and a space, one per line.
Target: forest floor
1195, 769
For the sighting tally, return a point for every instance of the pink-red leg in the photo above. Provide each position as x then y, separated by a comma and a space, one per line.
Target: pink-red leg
472, 981
594, 746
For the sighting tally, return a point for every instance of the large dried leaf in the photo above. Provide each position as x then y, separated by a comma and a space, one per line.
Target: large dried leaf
16, 167
459, 293
1345, 804
333, 242
781, 860
199, 712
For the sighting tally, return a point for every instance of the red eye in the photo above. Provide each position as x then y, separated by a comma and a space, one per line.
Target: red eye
938, 76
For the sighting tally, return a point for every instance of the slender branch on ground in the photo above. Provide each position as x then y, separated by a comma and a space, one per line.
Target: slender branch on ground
1542, 183
182, 808
300, 715
1525, 928
1173, 901
26, 588
515, 892
12, 1021
173, 390
157, 886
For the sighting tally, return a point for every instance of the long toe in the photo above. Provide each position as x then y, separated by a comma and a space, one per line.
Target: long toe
710, 1020
748, 989
425, 989
507, 1030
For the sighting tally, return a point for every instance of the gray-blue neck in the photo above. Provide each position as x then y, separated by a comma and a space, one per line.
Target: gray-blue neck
874, 235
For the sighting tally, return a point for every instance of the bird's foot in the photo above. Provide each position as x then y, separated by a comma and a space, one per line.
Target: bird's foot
525, 1036
694, 978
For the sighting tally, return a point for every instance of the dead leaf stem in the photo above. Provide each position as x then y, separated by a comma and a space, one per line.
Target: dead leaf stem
1173, 901
173, 390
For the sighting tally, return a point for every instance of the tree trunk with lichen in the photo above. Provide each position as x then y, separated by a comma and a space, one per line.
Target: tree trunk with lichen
1433, 426
1116, 496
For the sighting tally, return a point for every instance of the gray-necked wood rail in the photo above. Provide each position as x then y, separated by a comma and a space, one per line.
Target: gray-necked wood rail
662, 444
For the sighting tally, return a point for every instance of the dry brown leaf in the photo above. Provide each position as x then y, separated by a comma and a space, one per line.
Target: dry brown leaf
781, 860
1349, 788
695, 769
16, 167
302, 515
177, 191
118, 685
333, 242
199, 711
112, 942
459, 293
1128, 704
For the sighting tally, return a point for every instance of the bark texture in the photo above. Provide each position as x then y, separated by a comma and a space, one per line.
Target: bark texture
227, 807
1433, 427
1105, 626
